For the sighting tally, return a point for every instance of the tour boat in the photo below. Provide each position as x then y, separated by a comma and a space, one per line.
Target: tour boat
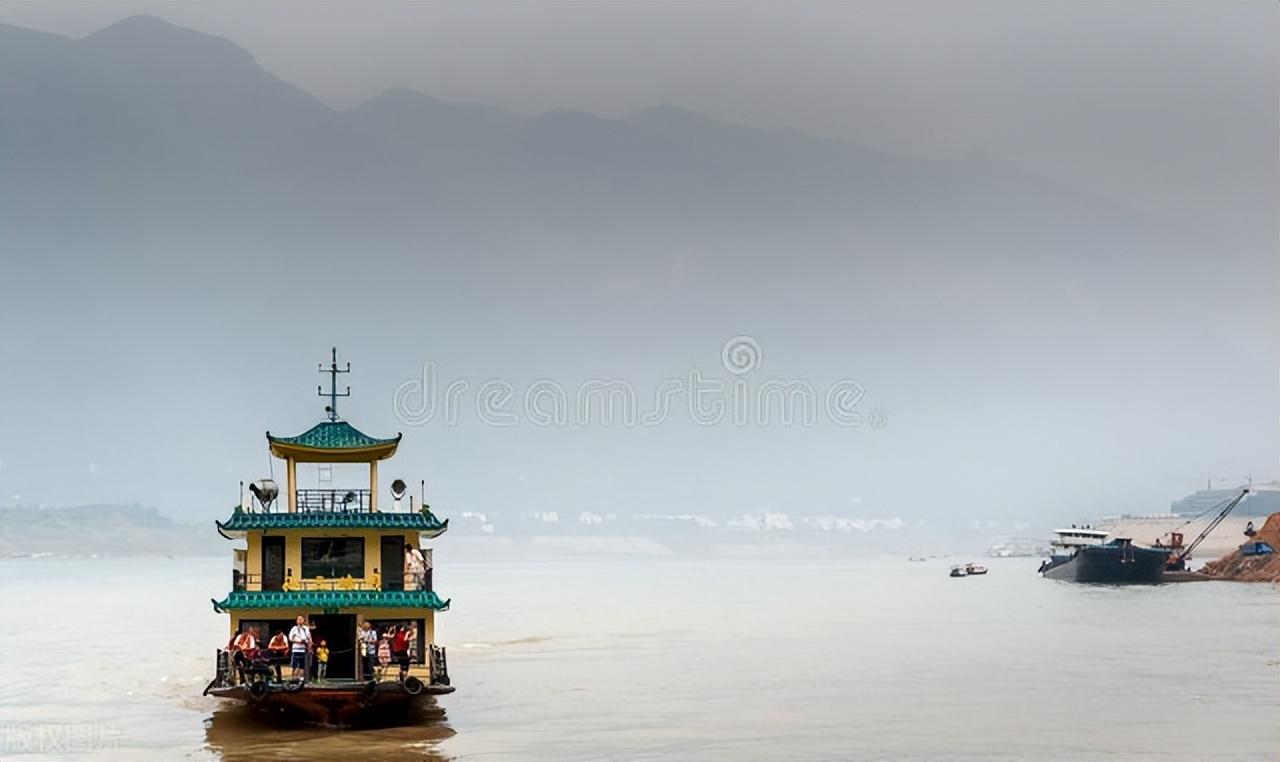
336, 557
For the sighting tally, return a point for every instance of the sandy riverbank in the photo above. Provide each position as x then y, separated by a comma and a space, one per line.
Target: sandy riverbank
1144, 531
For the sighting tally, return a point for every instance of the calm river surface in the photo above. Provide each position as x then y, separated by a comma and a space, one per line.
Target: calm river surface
671, 657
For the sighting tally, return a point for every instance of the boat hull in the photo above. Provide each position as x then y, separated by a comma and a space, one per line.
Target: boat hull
1059, 568
331, 704
1110, 565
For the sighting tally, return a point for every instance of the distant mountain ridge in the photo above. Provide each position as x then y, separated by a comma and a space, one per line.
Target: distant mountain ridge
100, 530
174, 210
175, 84
145, 119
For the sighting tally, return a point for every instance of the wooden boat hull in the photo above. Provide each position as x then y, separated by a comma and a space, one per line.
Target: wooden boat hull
330, 703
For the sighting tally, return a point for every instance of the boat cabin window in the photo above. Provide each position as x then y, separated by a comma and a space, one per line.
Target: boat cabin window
332, 557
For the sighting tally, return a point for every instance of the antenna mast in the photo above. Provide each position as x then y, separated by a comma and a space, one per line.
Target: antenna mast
333, 370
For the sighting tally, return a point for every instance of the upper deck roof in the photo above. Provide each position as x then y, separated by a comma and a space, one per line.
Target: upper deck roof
241, 600
242, 521
1081, 532
333, 442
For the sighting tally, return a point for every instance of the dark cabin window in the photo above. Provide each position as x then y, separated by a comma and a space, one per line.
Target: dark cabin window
332, 557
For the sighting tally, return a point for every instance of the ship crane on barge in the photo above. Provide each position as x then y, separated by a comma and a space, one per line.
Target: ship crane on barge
1179, 556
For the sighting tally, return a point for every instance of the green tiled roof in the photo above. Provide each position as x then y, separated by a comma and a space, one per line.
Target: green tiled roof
417, 521
333, 435
241, 600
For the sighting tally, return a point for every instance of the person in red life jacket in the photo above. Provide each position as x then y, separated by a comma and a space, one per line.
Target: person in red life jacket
400, 649
278, 648
243, 648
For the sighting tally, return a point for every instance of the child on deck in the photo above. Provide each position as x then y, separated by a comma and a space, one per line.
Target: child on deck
322, 659
384, 651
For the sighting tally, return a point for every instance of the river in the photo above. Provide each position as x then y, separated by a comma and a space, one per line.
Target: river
566, 657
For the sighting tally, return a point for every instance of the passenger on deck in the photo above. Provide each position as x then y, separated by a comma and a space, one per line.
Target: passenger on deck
415, 567
400, 650
278, 649
384, 649
300, 638
322, 660
244, 647
368, 649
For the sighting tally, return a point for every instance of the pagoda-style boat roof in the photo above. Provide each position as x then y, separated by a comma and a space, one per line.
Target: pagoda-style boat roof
241, 600
333, 442
242, 521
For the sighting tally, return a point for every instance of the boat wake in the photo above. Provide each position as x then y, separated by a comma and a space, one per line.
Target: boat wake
532, 640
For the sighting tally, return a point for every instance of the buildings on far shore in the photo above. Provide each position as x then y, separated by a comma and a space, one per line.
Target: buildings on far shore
1263, 500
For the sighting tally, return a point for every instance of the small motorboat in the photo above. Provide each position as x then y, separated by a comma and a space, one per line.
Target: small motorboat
972, 568
960, 570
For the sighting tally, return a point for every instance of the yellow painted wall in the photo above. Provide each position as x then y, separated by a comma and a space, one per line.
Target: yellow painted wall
293, 548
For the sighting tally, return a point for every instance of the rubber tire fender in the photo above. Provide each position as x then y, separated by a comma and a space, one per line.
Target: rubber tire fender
413, 686
258, 690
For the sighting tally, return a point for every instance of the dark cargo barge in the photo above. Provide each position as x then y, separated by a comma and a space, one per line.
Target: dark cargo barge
1115, 562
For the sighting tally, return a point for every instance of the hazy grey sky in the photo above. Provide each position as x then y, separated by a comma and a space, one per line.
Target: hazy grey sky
1039, 352
1168, 106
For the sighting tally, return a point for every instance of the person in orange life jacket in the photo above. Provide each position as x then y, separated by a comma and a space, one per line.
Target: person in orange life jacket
278, 648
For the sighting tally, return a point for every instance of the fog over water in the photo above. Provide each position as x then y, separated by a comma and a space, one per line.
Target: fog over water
1039, 241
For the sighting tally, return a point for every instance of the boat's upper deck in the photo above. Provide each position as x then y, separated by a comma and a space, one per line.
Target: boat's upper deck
324, 516
1078, 537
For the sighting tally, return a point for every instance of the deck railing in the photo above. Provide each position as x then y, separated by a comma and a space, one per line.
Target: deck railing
233, 669
252, 583
331, 500
439, 665
335, 501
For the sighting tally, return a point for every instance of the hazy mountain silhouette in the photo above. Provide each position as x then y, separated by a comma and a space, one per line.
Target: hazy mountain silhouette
166, 202
154, 108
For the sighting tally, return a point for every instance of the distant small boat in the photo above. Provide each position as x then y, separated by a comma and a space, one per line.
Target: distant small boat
960, 570
917, 558
972, 568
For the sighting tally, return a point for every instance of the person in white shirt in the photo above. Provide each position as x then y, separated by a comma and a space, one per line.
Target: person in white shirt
300, 641
368, 649
415, 567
